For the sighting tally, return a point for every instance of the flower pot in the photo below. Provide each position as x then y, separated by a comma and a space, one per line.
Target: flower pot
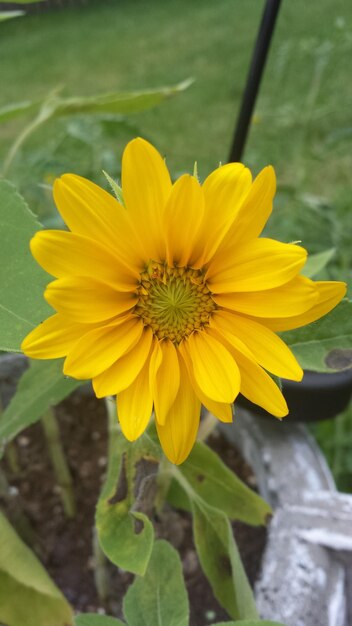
307, 560
317, 397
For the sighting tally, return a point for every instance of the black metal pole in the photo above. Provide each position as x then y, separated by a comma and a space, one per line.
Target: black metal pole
259, 56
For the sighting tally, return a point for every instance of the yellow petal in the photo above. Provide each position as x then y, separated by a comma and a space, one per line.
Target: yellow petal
90, 211
259, 388
214, 369
266, 347
253, 213
178, 434
182, 218
146, 186
125, 370
134, 405
259, 264
221, 410
330, 294
225, 190
62, 253
53, 338
100, 348
256, 384
293, 298
86, 300
164, 378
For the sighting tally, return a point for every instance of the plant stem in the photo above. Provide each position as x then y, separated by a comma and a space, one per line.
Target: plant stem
18, 143
207, 426
59, 462
101, 577
46, 111
11, 457
163, 483
113, 425
16, 514
10, 452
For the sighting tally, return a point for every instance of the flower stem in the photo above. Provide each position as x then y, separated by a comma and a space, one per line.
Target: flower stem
18, 143
10, 452
16, 514
59, 462
101, 577
207, 426
11, 457
163, 483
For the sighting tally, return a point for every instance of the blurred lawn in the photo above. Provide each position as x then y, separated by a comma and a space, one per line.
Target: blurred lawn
302, 123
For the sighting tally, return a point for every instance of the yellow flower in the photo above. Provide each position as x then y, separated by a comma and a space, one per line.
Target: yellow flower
173, 301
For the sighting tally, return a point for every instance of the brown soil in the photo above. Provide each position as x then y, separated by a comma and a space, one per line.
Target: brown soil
65, 545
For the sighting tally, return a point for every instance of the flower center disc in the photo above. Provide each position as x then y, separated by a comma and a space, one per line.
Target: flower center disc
174, 301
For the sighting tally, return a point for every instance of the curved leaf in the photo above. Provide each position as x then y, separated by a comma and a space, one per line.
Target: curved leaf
129, 102
125, 533
27, 594
22, 305
43, 385
218, 486
9, 15
160, 597
325, 345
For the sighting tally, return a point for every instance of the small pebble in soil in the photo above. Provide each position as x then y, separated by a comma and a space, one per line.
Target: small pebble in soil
210, 615
23, 441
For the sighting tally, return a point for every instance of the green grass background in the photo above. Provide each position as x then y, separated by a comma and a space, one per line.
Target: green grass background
302, 123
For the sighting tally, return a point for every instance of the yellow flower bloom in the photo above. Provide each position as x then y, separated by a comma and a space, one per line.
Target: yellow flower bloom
174, 300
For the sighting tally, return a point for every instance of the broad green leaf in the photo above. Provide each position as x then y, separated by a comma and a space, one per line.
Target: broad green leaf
92, 619
325, 345
9, 15
130, 102
217, 485
316, 262
28, 597
22, 305
218, 555
17, 109
41, 386
125, 534
221, 562
160, 597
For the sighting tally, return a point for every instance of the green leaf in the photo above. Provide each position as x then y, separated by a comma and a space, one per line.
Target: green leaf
41, 386
221, 562
218, 554
130, 102
92, 619
116, 189
218, 486
27, 595
22, 305
125, 534
160, 597
17, 109
316, 262
325, 345
9, 15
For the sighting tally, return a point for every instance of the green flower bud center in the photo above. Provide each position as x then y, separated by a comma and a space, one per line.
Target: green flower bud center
173, 301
